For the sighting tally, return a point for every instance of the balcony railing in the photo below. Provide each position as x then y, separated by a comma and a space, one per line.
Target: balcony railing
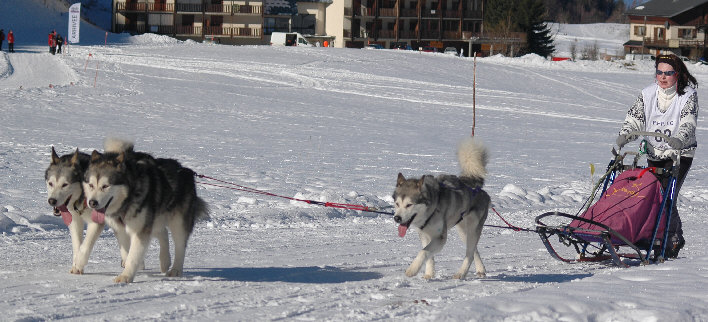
161, 7
189, 7
387, 34
122, 6
473, 14
409, 13
451, 14
229, 9
247, 32
192, 31
217, 30
667, 43
387, 12
407, 34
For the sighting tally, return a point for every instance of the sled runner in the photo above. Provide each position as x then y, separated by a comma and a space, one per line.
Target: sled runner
627, 222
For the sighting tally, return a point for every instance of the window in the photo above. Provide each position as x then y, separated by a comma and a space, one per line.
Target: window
685, 33
640, 31
187, 20
271, 25
659, 33
304, 24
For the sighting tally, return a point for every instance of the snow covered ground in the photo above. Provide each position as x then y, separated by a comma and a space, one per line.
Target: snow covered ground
329, 125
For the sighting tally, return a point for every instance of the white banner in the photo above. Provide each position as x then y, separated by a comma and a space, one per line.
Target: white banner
74, 22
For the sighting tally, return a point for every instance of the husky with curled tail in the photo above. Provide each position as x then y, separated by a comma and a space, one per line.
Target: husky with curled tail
435, 204
140, 197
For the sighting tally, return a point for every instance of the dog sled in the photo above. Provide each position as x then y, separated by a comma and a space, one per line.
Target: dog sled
628, 222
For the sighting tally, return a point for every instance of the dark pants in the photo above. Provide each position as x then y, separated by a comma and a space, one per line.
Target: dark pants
12, 47
675, 230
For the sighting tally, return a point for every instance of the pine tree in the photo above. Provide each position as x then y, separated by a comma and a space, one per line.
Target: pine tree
538, 34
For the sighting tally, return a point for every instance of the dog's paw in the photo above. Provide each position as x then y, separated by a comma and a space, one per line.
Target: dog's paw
174, 273
75, 270
123, 279
428, 276
411, 272
481, 274
459, 276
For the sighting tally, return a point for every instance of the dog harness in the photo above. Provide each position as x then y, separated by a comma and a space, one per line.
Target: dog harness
474, 191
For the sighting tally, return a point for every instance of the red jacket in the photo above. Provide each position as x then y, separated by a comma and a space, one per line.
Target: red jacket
52, 40
11, 38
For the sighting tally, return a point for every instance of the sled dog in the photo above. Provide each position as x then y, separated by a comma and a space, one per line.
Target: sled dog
140, 197
64, 178
436, 204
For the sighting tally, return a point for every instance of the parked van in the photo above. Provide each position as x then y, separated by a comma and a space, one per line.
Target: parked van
288, 39
639, 57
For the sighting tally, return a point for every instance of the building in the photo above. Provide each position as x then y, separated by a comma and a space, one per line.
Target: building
222, 21
239, 22
401, 23
415, 24
661, 26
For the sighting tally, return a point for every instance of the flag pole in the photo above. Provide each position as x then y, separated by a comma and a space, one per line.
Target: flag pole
474, 93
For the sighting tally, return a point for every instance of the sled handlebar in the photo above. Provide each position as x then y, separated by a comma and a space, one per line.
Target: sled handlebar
676, 157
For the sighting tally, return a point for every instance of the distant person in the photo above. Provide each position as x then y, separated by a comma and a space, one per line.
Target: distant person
60, 41
326, 43
11, 41
52, 41
2, 37
669, 106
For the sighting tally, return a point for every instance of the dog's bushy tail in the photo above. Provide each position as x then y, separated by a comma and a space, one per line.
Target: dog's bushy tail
473, 156
115, 145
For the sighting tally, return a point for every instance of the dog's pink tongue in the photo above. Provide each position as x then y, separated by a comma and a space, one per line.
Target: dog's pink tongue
402, 230
65, 215
98, 216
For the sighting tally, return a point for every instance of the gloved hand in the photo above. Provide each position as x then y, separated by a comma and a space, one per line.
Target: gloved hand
675, 143
623, 139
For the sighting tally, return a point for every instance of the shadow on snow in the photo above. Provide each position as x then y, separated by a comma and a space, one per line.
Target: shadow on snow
312, 274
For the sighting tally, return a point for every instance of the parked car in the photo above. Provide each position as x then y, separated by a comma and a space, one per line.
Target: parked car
400, 45
639, 57
450, 51
428, 49
374, 46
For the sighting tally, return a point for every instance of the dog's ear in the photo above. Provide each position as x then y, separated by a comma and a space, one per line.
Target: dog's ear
55, 157
75, 158
420, 182
121, 157
95, 155
400, 180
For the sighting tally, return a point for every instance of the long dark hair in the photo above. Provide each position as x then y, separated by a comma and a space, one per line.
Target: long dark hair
684, 77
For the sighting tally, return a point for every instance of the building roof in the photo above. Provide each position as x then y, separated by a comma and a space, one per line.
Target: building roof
664, 8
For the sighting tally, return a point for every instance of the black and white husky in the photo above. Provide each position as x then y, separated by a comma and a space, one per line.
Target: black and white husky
65, 193
140, 197
436, 204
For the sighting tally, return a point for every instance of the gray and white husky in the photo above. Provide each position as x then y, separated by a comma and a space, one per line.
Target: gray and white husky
436, 204
140, 197
64, 178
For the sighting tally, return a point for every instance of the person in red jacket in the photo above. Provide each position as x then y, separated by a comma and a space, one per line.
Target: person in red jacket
52, 42
2, 37
11, 41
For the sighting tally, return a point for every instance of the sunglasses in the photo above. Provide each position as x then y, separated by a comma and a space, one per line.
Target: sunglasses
667, 73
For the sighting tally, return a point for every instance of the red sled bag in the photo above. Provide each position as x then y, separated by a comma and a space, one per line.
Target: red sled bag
630, 207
